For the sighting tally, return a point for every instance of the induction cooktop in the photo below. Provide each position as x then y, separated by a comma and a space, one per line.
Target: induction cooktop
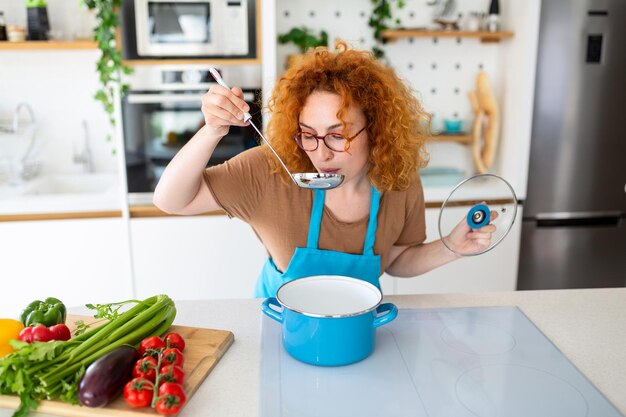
460, 362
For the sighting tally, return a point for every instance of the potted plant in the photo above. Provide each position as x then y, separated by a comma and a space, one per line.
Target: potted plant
304, 39
379, 20
37, 20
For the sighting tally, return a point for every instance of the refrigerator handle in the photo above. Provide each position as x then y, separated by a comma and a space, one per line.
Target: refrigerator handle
587, 218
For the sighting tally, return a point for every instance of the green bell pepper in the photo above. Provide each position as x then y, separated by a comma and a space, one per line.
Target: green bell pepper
48, 312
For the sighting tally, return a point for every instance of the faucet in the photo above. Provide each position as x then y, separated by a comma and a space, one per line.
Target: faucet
15, 124
16, 119
84, 156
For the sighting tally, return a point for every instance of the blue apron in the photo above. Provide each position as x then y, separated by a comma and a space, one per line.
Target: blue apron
311, 261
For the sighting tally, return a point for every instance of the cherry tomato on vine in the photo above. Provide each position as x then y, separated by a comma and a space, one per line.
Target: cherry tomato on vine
152, 342
172, 373
171, 398
145, 368
138, 393
175, 341
172, 356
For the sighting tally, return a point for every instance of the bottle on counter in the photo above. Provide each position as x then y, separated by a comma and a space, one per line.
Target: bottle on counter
3, 28
493, 20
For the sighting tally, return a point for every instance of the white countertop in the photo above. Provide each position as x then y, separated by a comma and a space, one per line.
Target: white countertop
62, 193
588, 326
49, 195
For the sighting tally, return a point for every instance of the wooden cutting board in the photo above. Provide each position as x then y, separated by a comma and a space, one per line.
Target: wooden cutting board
203, 349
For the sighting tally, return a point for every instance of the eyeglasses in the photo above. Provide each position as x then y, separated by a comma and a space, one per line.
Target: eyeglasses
333, 141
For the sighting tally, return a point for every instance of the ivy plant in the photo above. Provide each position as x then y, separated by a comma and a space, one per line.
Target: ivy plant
303, 38
379, 21
109, 66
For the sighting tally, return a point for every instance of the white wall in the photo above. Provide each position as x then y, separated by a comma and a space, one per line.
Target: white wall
441, 72
59, 85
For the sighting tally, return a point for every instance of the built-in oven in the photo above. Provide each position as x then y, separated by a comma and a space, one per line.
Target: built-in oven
161, 112
188, 28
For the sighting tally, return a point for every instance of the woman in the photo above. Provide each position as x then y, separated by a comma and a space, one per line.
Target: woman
337, 112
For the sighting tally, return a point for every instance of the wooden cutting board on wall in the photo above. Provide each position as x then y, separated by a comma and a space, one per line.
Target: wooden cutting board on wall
203, 350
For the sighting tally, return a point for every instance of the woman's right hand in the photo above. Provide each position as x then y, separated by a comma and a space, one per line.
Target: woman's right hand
222, 108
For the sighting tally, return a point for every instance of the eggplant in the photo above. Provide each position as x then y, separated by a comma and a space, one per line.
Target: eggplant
105, 378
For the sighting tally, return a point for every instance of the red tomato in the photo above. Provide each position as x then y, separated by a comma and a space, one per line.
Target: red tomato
60, 332
175, 341
152, 342
172, 373
138, 392
172, 356
26, 335
145, 368
171, 398
41, 334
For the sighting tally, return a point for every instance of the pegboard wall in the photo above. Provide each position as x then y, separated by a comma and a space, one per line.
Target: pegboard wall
441, 71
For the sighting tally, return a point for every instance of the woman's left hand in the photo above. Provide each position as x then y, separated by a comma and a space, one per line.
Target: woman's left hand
465, 240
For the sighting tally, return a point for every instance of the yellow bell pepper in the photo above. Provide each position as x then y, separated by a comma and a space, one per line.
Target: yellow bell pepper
9, 329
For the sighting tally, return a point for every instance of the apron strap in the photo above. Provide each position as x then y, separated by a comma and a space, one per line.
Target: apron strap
370, 236
315, 224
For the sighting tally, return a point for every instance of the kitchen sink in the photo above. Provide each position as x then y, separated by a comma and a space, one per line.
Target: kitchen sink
62, 193
72, 184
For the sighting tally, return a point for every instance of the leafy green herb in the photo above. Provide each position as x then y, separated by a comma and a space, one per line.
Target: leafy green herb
109, 311
70, 389
80, 327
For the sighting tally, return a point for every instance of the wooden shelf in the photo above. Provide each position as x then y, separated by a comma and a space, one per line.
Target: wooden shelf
138, 62
463, 139
47, 45
485, 37
152, 211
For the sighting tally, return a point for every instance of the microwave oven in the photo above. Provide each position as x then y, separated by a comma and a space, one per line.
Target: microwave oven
190, 28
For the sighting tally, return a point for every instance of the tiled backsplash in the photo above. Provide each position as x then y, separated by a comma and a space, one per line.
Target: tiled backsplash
440, 70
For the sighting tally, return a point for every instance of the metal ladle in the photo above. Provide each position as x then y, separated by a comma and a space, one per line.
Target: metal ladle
312, 180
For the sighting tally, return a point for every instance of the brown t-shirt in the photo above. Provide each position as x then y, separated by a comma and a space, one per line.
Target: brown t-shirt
279, 212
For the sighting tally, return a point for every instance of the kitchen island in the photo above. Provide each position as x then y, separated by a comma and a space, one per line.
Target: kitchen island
588, 326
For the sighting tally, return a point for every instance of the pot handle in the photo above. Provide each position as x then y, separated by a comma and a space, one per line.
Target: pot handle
269, 311
385, 318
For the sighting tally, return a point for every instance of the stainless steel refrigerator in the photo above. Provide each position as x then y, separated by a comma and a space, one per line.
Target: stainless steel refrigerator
574, 225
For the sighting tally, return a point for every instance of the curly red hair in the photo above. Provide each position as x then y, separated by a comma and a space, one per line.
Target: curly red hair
397, 123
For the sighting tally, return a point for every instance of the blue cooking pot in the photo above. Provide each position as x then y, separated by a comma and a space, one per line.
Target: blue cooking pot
329, 320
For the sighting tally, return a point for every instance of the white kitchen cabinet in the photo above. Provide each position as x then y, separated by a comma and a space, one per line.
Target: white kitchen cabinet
78, 261
495, 270
198, 257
